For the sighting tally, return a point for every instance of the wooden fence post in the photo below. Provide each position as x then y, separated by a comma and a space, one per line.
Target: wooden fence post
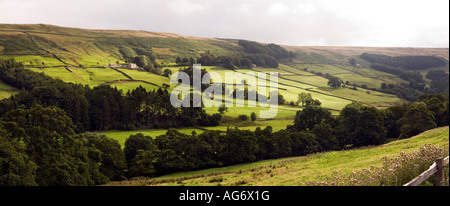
440, 172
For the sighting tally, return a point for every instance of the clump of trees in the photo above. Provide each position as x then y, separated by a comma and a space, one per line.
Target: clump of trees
334, 81
406, 62
305, 99
274, 50
439, 81
255, 54
40, 147
404, 74
236, 62
148, 63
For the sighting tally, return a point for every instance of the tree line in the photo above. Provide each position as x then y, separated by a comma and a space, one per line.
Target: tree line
402, 73
40, 147
230, 62
255, 54
274, 50
406, 62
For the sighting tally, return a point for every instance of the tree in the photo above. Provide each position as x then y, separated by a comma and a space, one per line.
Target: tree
392, 115
360, 125
178, 61
281, 99
278, 144
416, 120
223, 109
112, 162
303, 97
167, 72
369, 128
313, 102
253, 117
16, 169
325, 137
436, 74
334, 82
310, 116
143, 164
303, 143
352, 62
142, 61
436, 104
192, 61
238, 146
135, 143
60, 157
243, 117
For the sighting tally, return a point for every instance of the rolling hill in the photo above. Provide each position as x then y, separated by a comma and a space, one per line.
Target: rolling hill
81, 55
56, 45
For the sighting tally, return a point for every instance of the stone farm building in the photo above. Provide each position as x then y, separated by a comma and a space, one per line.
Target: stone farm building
126, 66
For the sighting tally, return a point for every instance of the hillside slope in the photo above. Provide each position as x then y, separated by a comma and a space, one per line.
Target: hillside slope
298, 170
61, 46
76, 55
84, 46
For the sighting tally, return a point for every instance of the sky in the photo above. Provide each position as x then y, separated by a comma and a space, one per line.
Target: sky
380, 23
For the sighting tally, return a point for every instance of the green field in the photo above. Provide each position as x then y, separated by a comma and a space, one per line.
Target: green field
34, 60
122, 136
6, 90
90, 76
295, 81
146, 76
296, 171
126, 86
277, 125
359, 76
98, 76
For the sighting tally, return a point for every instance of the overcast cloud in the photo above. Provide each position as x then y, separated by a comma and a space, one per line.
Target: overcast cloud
404, 23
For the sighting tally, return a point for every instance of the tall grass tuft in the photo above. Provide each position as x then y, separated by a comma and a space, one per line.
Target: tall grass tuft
395, 171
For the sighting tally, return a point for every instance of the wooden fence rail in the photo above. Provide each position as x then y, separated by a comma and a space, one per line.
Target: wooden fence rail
437, 167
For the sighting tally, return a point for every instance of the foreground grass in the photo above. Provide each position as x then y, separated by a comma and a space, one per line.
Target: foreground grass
298, 170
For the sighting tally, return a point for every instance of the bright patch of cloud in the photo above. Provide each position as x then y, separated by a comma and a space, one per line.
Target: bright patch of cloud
278, 9
307, 8
185, 7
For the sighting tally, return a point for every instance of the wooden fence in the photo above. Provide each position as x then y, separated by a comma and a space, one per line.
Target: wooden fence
437, 167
